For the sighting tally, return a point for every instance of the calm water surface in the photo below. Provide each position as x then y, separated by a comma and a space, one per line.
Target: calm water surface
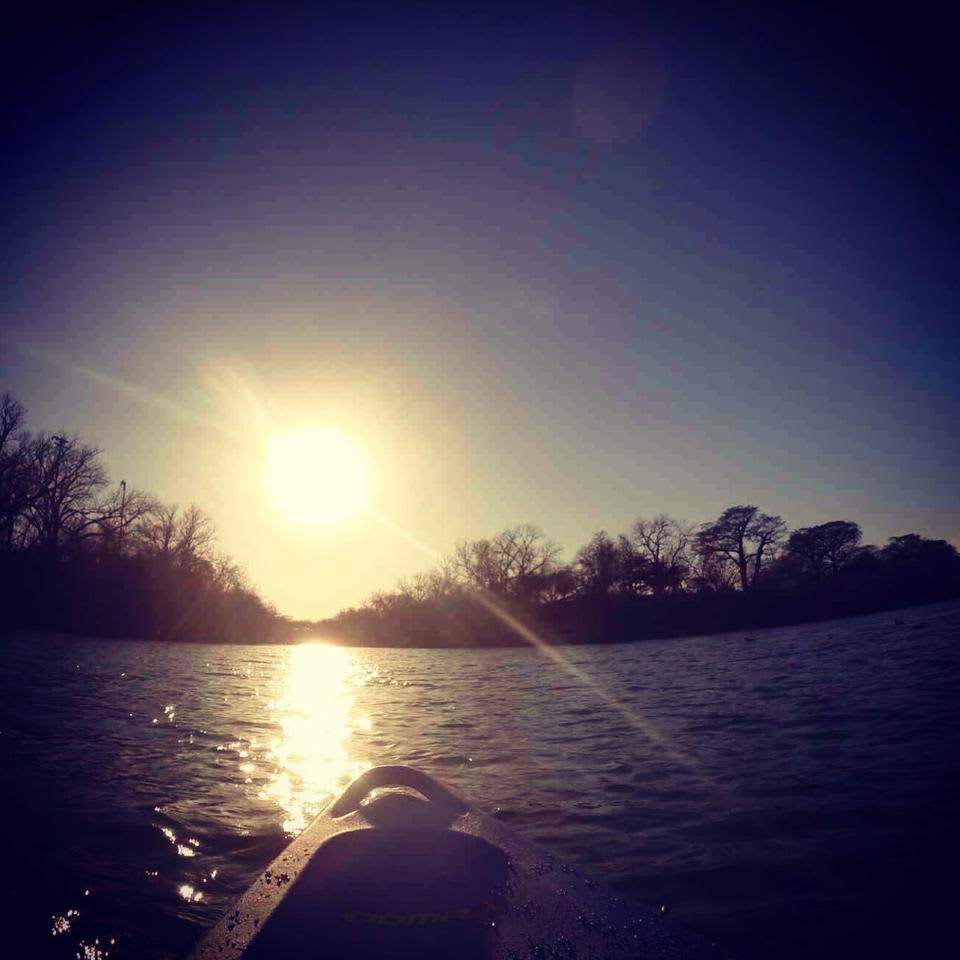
790, 793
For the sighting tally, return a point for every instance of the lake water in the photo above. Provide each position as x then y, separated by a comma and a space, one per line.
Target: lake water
791, 792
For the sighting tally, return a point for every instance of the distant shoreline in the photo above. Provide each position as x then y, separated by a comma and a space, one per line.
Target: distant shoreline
511, 640
80, 557
8, 634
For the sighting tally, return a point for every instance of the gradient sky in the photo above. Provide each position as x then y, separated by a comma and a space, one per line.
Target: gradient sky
562, 266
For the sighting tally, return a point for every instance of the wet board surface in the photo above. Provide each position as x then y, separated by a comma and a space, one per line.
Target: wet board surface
389, 872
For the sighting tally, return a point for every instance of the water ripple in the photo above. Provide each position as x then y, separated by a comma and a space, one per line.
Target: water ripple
781, 791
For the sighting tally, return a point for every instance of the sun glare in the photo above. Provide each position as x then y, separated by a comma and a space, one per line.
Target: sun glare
315, 715
315, 475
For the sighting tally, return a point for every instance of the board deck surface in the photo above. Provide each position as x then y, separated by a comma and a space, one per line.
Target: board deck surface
400, 867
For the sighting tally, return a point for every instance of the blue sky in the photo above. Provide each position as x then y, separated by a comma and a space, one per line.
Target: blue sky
566, 269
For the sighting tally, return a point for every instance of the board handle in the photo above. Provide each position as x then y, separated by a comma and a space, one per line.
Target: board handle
395, 775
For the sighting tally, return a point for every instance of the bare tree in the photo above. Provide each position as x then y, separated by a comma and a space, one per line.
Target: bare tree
767, 533
474, 564
14, 486
508, 563
825, 548
156, 531
119, 514
664, 544
710, 573
597, 565
558, 585
12, 416
65, 477
634, 567
184, 538
229, 575
382, 603
416, 588
426, 586
195, 537
742, 537
842, 542
523, 554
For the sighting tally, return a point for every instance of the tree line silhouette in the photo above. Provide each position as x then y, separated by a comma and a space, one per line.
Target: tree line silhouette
661, 578
80, 556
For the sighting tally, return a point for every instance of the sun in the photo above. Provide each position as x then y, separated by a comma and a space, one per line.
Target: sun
315, 476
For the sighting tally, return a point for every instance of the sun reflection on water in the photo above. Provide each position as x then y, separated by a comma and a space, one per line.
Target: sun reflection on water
314, 712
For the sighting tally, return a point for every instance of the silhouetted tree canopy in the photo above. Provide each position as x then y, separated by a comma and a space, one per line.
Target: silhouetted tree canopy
660, 578
823, 550
79, 556
662, 546
598, 565
508, 564
744, 538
